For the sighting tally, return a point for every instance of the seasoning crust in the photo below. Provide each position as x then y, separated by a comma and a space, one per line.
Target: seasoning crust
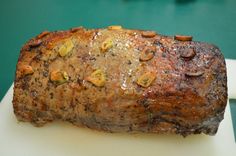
121, 80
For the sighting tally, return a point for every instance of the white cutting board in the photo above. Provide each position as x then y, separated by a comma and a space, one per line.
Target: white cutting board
64, 139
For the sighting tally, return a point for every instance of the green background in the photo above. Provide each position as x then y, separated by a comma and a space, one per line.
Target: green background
207, 20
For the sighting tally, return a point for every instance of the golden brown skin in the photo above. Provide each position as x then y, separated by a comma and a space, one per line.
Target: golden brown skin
119, 80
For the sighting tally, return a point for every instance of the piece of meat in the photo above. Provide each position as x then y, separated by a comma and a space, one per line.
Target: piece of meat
121, 80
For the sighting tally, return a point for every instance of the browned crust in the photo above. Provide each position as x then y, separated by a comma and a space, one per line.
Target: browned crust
188, 95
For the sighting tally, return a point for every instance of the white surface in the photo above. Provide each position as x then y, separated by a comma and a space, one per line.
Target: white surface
63, 139
231, 77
